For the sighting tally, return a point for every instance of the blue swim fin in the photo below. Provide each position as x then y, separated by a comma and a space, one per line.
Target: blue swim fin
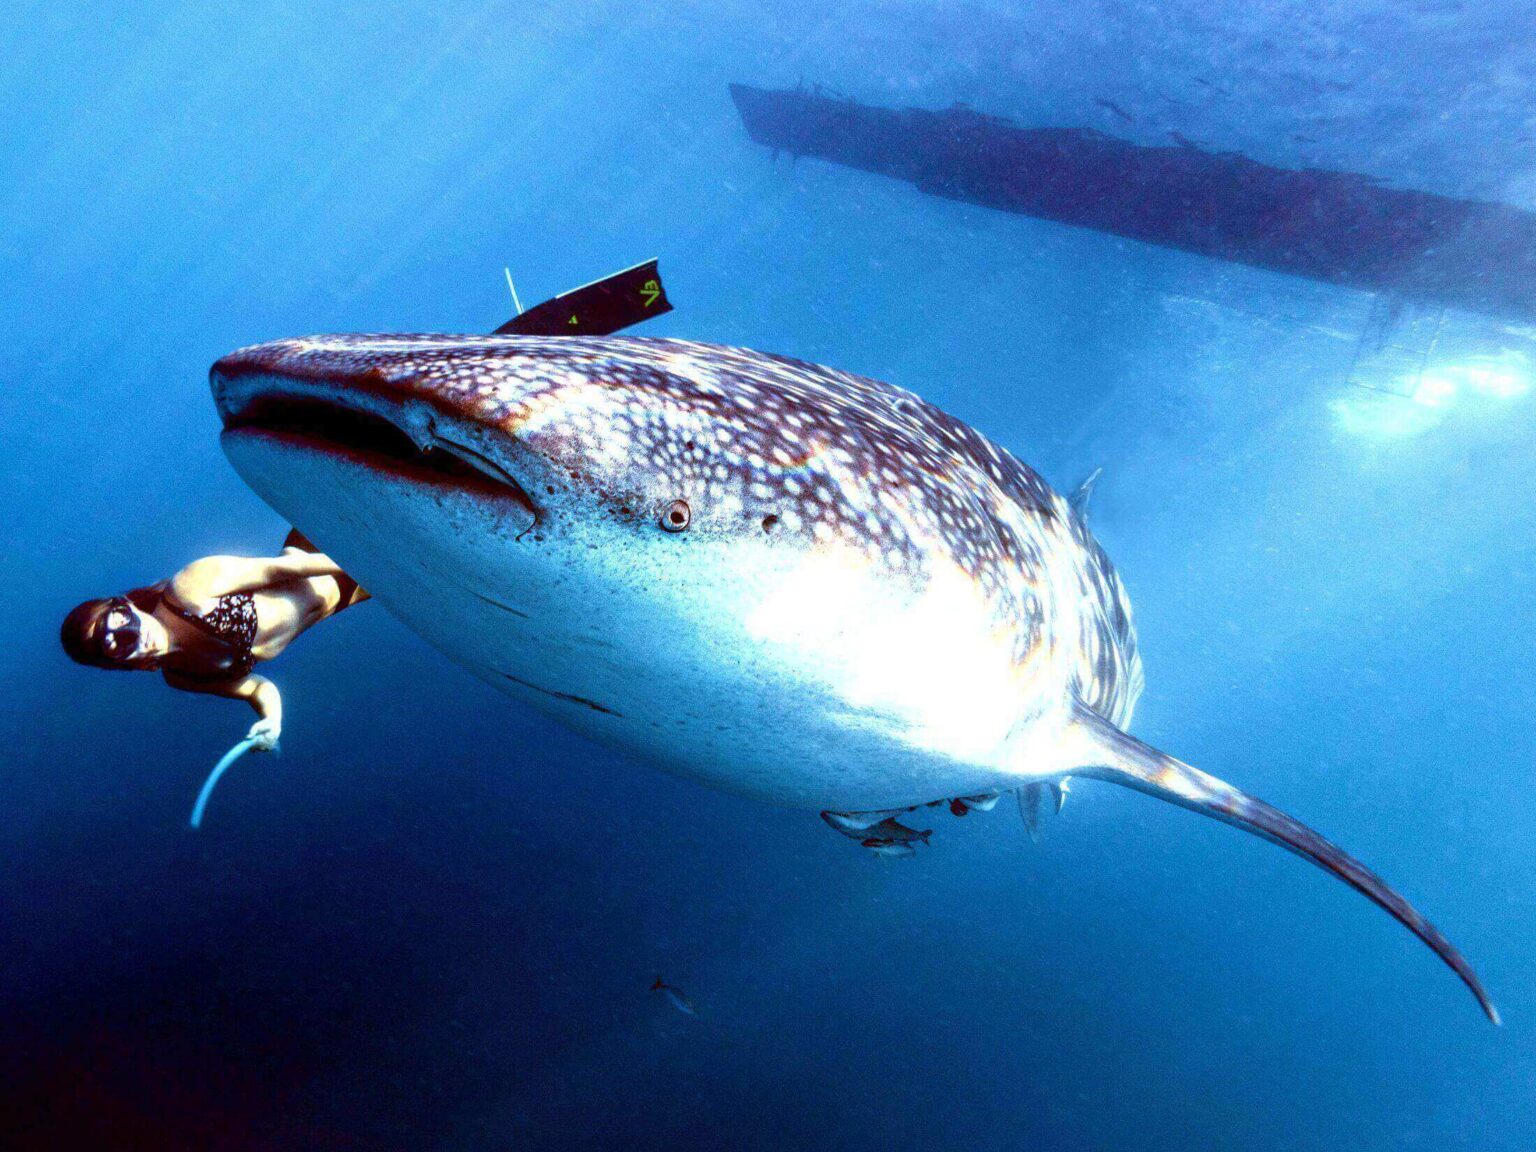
219, 769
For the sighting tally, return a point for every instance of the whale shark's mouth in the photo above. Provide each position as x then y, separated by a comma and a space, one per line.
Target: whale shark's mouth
372, 435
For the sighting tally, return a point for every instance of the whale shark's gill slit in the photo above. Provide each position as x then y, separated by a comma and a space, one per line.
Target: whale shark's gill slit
494, 603
567, 696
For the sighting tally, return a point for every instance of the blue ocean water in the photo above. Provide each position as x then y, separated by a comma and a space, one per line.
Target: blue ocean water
434, 921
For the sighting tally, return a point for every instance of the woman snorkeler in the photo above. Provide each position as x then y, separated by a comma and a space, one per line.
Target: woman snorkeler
207, 627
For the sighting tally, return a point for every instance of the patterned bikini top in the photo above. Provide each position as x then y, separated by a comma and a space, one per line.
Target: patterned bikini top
227, 632
232, 619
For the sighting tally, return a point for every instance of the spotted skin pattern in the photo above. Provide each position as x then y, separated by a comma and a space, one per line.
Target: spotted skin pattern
799, 448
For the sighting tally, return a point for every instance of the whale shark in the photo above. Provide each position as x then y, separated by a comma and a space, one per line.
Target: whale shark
775, 578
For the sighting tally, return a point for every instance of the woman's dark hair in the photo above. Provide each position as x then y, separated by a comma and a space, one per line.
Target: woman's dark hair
83, 635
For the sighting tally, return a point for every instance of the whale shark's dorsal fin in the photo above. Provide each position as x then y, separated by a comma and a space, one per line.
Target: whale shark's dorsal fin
1107, 753
1083, 493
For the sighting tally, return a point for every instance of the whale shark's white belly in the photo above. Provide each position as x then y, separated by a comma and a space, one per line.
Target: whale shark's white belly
806, 679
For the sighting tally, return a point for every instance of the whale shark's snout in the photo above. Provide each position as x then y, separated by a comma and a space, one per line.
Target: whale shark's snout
368, 404
575, 428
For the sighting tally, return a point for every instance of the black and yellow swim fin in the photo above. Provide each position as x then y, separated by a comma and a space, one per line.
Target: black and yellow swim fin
597, 309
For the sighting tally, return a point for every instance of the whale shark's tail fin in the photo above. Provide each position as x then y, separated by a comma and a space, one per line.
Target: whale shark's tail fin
1109, 754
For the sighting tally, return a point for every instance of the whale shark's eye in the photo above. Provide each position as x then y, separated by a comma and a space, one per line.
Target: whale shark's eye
677, 516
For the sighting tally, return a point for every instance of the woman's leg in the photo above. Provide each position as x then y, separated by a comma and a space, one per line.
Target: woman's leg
348, 592
297, 539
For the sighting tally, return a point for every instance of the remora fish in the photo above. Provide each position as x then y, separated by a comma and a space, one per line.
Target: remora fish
674, 997
888, 829
857, 824
776, 578
893, 832
964, 805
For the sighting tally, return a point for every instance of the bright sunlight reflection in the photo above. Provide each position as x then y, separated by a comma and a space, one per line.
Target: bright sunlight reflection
1413, 405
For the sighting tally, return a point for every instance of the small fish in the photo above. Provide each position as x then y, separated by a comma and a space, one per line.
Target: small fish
675, 996
964, 804
1184, 141
1111, 106
856, 825
891, 831
890, 848
1214, 87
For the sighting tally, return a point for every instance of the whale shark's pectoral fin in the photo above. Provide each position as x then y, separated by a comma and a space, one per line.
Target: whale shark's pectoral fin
1107, 753
1029, 808
1032, 795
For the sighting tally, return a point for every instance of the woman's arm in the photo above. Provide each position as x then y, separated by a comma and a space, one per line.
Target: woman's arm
214, 576
257, 691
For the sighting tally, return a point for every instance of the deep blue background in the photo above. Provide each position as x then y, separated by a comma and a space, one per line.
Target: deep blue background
433, 921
